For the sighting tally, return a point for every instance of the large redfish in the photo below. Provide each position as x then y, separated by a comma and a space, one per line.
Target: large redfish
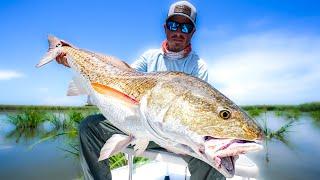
181, 113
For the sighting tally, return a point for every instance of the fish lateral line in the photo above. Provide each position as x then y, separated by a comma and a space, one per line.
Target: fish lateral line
107, 90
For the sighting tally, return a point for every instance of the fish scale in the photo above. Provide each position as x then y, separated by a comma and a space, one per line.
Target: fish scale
132, 83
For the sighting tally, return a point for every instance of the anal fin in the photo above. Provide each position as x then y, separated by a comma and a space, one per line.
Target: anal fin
140, 145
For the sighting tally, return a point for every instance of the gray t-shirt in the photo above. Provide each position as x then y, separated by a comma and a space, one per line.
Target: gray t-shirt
154, 60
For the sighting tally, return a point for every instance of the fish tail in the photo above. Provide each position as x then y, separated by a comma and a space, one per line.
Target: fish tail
55, 49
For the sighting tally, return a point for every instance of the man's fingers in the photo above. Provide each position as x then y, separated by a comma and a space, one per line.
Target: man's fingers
58, 60
62, 59
66, 63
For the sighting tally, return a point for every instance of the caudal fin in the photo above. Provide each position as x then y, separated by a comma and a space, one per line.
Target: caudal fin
54, 50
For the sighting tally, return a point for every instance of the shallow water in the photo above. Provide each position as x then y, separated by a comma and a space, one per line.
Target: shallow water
44, 161
297, 160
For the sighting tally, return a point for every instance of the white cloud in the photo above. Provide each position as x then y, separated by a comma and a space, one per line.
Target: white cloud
219, 30
9, 74
267, 68
43, 90
259, 22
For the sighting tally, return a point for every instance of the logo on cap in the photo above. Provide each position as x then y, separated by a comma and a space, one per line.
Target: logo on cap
182, 9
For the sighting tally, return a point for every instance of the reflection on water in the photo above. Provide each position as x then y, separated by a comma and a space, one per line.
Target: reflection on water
293, 155
44, 161
292, 151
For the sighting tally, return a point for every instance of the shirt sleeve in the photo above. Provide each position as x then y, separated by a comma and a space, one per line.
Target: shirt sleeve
141, 64
201, 71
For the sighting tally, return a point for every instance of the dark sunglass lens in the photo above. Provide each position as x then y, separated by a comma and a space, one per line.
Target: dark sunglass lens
186, 28
172, 26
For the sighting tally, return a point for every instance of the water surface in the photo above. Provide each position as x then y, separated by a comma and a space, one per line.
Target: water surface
298, 159
44, 161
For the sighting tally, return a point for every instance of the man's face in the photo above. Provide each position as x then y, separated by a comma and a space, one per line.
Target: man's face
178, 40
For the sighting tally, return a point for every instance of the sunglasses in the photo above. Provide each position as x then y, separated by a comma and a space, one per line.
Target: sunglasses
185, 27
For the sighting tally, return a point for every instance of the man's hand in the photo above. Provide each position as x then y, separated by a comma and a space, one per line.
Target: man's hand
62, 59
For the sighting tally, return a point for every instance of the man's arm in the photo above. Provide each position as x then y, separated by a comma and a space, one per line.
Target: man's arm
140, 64
201, 71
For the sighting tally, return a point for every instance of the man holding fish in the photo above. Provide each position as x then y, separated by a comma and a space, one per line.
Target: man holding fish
176, 55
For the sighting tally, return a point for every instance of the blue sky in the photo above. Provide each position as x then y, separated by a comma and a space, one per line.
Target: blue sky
258, 52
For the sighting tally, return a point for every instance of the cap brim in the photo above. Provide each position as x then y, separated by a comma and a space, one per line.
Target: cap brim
181, 14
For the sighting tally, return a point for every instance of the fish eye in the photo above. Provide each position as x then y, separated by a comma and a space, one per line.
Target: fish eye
225, 114
59, 45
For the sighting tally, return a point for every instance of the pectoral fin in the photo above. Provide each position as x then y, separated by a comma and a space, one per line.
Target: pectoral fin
115, 144
75, 88
109, 91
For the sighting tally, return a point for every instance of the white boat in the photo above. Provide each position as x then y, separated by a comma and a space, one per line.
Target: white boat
165, 164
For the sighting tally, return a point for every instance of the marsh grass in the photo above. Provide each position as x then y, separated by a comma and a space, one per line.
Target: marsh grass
119, 160
4, 107
278, 113
292, 114
65, 123
305, 107
309, 107
75, 116
255, 112
315, 115
279, 134
28, 119
68, 120
140, 160
282, 132
56, 120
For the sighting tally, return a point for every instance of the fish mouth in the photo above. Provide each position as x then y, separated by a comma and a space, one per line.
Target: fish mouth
222, 153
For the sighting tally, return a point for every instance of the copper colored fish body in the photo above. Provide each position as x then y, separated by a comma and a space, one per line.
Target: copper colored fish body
179, 112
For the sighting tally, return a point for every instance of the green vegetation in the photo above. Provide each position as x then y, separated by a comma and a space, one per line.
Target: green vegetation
316, 118
51, 108
306, 107
119, 160
281, 133
278, 113
28, 119
255, 112
65, 121
292, 113
316, 115
309, 107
